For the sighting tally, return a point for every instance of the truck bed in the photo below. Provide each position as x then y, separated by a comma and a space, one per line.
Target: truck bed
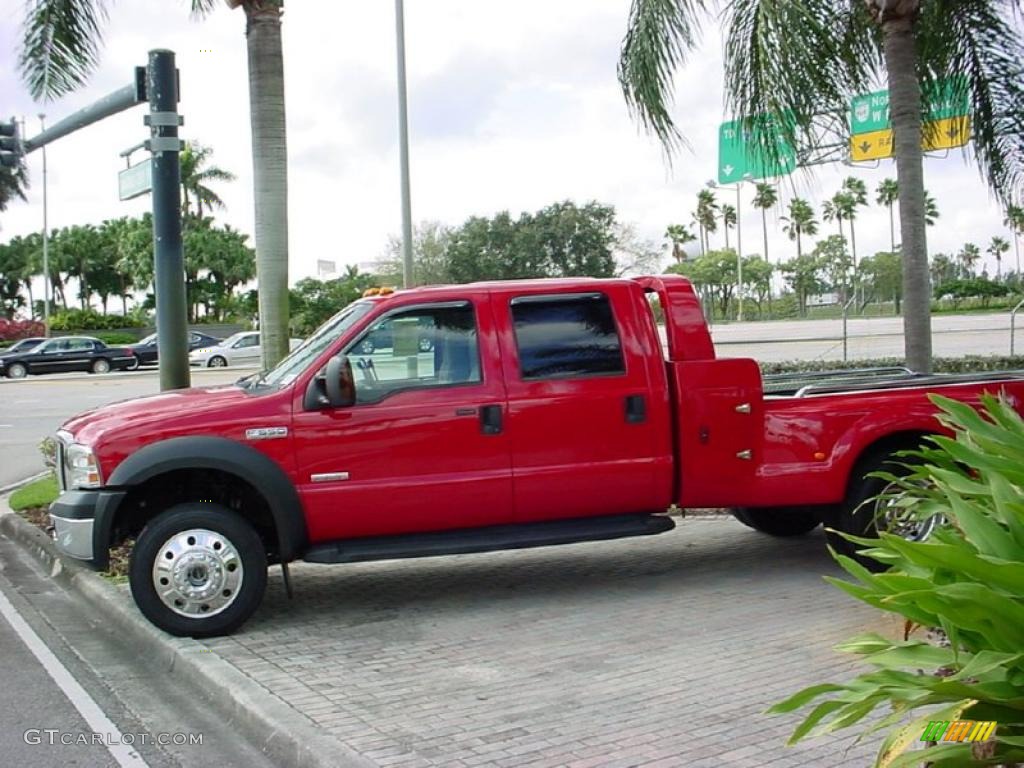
807, 384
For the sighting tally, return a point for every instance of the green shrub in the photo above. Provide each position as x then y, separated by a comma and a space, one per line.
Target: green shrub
967, 579
968, 364
115, 339
90, 320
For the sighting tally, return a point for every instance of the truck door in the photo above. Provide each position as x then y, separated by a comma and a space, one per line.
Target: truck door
425, 446
581, 423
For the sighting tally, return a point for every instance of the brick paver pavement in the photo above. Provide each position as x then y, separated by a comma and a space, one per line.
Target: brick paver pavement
657, 651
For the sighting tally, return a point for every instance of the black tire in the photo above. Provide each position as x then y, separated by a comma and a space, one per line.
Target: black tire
858, 516
100, 365
779, 521
237, 566
217, 361
17, 371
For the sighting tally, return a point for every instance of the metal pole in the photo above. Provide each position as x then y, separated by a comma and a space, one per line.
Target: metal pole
403, 147
169, 272
1013, 325
46, 239
118, 101
739, 252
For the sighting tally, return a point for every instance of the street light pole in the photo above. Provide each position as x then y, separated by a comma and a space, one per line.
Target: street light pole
46, 240
403, 147
712, 184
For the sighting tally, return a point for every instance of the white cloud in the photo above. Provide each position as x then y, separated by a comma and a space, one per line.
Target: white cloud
512, 106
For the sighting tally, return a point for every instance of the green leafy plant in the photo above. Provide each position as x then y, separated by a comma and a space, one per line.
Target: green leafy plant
967, 579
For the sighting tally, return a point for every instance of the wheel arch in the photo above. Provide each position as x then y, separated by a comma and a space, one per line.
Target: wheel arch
902, 440
213, 455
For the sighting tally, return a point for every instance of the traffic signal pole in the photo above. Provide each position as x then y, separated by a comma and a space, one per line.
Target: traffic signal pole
156, 83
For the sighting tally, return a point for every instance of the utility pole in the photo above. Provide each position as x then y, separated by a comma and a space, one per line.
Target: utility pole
46, 239
403, 147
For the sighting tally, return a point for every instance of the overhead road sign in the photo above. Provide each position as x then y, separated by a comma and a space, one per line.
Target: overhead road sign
742, 151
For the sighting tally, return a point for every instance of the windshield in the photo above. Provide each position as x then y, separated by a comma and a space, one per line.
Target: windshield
230, 339
147, 340
288, 369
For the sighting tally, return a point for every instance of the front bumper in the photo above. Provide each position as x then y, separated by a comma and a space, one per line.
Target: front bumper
81, 523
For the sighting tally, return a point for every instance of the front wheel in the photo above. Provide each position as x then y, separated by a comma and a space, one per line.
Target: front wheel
198, 570
100, 366
16, 371
217, 362
779, 521
133, 365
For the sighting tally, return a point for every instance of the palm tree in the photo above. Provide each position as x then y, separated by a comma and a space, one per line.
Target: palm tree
728, 220
855, 195
765, 197
931, 210
679, 235
1014, 220
888, 192
195, 177
61, 48
834, 209
968, 256
706, 217
800, 222
805, 59
997, 248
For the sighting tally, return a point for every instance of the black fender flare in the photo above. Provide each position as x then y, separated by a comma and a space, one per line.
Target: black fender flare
204, 452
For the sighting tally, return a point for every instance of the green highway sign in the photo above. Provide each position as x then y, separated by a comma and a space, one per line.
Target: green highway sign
869, 112
741, 156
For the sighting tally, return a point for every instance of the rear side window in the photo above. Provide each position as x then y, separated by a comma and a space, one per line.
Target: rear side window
563, 336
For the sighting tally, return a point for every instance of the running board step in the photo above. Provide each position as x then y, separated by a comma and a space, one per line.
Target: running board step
496, 537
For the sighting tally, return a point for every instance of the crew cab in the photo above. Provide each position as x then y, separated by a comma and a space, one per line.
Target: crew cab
540, 412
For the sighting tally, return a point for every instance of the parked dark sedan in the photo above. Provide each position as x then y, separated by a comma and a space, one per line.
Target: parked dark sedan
23, 345
67, 353
146, 350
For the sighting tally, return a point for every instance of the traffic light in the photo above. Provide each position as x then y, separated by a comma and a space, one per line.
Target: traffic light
10, 145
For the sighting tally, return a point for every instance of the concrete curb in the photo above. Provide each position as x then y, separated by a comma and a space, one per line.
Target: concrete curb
285, 735
19, 483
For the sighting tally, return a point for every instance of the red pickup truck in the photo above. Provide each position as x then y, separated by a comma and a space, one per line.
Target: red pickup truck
486, 416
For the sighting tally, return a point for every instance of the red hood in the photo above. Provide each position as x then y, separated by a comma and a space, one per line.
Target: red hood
120, 428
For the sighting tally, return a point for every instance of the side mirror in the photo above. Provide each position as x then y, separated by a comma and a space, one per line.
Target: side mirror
340, 383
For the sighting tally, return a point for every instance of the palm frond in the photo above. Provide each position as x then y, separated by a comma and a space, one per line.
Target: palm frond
202, 8
976, 45
61, 48
794, 60
659, 37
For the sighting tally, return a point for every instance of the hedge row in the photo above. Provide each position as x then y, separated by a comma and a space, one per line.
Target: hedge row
968, 364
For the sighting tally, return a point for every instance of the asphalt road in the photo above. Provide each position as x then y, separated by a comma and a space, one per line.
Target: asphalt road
34, 407
96, 702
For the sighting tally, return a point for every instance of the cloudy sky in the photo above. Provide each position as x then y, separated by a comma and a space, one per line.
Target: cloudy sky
512, 106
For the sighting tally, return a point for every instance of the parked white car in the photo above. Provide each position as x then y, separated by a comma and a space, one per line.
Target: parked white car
241, 349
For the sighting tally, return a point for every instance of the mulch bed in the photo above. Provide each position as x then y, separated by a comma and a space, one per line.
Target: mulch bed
119, 555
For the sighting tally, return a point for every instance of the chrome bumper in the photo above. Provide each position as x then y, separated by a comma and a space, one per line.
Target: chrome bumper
73, 515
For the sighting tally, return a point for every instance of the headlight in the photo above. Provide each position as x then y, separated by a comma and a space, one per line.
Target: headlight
81, 468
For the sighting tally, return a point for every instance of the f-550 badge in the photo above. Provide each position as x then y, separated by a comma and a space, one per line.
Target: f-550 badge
266, 433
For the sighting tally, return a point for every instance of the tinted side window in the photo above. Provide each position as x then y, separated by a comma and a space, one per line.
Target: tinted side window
566, 337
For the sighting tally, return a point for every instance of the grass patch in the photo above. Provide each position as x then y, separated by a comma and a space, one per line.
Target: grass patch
39, 493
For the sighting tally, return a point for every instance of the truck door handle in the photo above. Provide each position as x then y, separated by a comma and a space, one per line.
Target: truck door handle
636, 409
490, 419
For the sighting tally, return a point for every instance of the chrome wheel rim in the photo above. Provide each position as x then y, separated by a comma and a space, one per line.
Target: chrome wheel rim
101, 366
217, 362
16, 371
897, 519
197, 573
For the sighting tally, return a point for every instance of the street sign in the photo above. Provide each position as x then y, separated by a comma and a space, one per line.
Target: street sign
135, 180
871, 146
869, 112
947, 133
741, 155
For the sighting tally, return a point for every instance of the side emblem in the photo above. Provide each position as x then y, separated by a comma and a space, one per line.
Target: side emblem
266, 433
